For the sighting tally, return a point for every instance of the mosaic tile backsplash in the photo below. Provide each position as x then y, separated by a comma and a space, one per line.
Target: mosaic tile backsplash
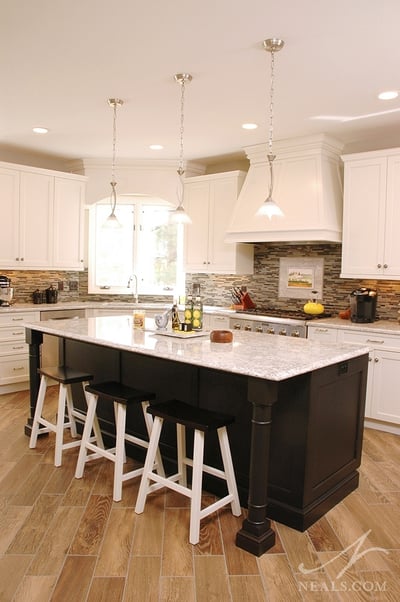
263, 285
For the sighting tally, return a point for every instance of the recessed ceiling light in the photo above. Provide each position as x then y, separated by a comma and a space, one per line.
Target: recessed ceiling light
389, 95
40, 130
156, 146
249, 126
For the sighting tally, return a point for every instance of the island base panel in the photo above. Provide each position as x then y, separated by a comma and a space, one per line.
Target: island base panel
302, 519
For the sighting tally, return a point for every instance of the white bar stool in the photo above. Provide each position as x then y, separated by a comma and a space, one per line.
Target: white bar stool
121, 396
201, 421
65, 377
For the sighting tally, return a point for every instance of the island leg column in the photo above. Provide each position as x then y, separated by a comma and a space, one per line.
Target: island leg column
256, 535
34, 340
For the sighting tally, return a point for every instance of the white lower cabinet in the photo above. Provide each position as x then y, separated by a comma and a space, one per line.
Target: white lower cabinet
14, 352
383, 385
382, 404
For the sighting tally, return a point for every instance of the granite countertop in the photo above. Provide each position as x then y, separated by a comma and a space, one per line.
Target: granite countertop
268, 357
380, 326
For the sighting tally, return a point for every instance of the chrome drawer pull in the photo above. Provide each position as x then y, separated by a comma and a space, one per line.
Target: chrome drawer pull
375, 341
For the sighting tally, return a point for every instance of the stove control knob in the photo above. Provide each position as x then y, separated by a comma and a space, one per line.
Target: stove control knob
236, 326
283, 332
259, 329
295, 333
247, 328
270, 330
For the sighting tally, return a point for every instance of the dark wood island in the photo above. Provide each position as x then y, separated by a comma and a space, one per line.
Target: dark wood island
298, 406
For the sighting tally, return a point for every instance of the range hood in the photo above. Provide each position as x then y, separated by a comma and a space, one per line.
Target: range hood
307, 187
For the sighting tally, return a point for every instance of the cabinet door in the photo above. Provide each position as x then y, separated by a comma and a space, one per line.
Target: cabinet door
197, 234
364, 218
69, 197
385, 402
36, 218
9, 204
392, 220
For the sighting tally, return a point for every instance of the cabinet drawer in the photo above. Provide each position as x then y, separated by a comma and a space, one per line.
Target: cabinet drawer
19, 318
219, 322
14, 370
370, 339
12, 333
13, 348
321, 333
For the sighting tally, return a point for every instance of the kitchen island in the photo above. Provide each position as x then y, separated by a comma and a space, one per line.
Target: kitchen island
298, 406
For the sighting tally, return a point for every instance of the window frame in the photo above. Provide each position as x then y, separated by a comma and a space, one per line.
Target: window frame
138, 201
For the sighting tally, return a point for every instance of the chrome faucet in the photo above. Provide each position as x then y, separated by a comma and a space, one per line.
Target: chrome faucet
135, 290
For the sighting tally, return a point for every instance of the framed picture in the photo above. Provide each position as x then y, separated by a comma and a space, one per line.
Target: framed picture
298, 276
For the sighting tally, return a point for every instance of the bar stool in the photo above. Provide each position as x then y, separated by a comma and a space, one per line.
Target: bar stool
121, 396
65, 377
201, 421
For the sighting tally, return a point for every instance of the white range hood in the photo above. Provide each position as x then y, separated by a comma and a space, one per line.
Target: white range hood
307, 187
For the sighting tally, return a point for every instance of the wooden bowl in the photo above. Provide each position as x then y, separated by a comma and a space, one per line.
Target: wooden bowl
221, 336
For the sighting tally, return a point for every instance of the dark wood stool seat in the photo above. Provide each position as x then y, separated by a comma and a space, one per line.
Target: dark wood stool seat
121, 396
189, 416
201, 421
65, 377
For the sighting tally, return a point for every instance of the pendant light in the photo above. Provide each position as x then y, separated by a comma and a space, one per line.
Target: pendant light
112, 220
179, 215
269, 207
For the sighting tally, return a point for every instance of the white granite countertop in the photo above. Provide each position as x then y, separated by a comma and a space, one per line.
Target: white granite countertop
251, 354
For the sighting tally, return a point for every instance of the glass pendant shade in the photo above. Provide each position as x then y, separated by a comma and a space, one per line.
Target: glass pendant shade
179, 216
270, 209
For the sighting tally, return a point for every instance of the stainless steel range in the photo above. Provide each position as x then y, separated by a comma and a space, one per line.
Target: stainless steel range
273, 321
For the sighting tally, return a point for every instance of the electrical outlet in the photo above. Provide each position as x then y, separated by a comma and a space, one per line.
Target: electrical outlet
66, 285
73, 285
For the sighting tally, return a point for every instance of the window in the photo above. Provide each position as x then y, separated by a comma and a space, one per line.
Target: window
146, 245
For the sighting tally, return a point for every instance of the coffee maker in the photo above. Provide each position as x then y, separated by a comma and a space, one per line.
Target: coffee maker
6, 292
363, 305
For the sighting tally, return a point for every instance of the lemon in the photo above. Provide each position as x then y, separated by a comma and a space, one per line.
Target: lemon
196, 323
196, 313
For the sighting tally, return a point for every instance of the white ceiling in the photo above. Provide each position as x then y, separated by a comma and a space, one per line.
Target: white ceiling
60, 60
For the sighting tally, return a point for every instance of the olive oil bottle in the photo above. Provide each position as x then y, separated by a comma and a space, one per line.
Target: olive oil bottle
176, 323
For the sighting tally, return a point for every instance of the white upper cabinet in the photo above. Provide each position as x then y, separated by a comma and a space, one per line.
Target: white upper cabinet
10, 229
36, 217
209, 201
42, 218
371, 215
69, 198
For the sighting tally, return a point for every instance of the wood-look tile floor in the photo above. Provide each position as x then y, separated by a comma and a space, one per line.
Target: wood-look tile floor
65, 539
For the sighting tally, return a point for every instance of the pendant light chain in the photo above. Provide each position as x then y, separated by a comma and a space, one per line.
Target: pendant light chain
114, 103
271, 103
179, 215
114, 143
182, 78
182, 128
